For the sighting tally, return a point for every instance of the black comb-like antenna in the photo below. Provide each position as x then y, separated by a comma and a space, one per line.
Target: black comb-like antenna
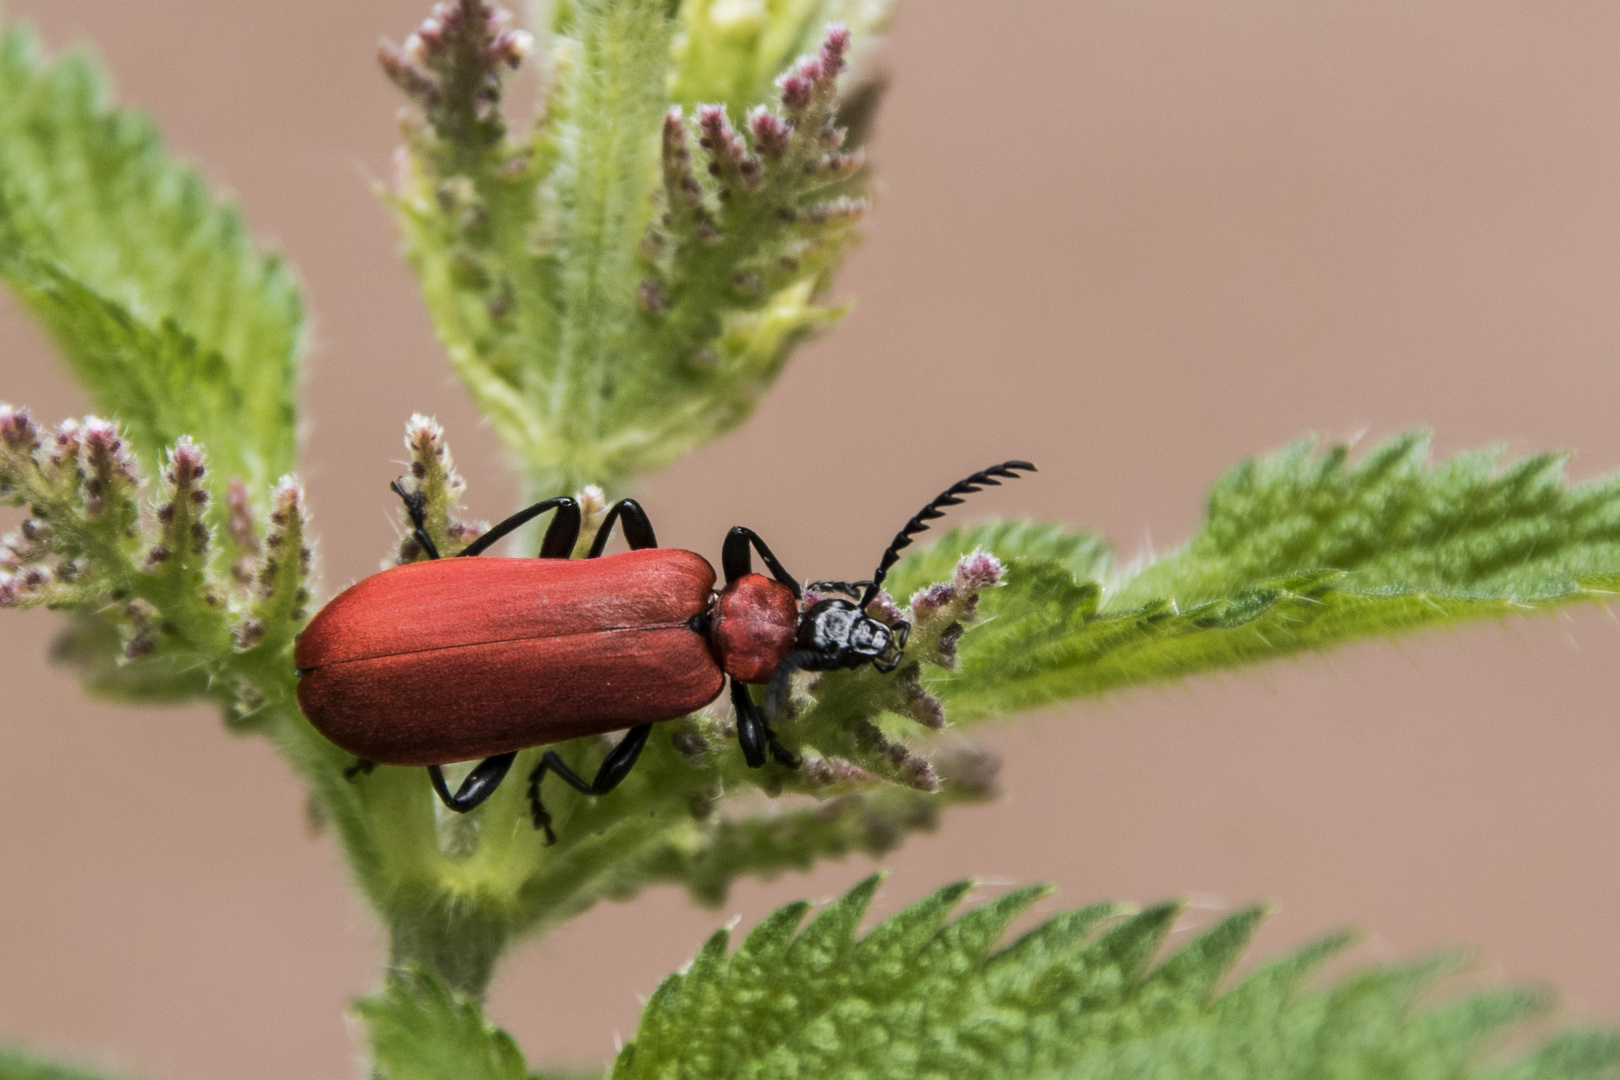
951, 496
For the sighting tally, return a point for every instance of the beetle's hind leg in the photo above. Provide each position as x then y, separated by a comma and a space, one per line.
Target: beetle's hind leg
614, 768
361, 767
561, 534
755, 734
414, 507
638, 530
479, 785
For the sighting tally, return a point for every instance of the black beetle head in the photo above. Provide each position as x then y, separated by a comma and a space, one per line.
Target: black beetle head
838, 634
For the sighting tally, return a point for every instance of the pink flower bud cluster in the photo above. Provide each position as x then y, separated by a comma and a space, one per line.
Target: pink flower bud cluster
454, 59
424, 438
941, 610
433, 471
771, 132
813, 80
729, 160
181, 518
140, 634
61, 452
820, 773
17, 431
286, 542
111, 475
85, 463
681, 186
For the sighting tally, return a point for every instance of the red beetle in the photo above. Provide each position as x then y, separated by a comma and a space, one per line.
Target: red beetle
456, 659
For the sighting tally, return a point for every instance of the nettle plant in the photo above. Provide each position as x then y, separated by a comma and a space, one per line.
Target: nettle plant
615, 284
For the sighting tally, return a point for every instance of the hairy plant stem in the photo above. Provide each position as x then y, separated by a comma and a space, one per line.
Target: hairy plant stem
460, 943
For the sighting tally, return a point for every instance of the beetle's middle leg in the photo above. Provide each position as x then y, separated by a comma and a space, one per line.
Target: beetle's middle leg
755, 734
479, 785
615, 767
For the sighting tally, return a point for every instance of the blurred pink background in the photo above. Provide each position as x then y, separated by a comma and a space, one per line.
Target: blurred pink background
1132, 242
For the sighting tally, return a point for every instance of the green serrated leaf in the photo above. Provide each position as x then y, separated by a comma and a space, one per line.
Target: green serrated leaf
1474, 526
1077, 997
420, 1030
151, 288
1301, 551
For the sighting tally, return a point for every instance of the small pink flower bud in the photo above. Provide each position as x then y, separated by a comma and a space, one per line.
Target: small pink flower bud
651, 297
796, 91
834, 48
64, 446
840, 165
510, 47
884, 609
186, 466
140, 645
927, 602
424, 438
771, 132
977, 570
36, 576
249, 633
10, 592
17, 430
922, 706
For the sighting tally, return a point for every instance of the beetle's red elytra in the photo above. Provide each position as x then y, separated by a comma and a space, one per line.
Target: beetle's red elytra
451, 660
464, 658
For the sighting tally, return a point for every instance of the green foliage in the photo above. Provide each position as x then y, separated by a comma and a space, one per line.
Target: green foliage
1301, 550
1083, 995
16, 1065
421, 1031
607, 304
617, 283
150, 287
1078, 996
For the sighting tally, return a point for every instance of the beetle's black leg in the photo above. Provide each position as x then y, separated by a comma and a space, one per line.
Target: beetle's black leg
638, 531
479, 785
361, 767
561, 534
414, 508
614, 768
735, 560
754, 733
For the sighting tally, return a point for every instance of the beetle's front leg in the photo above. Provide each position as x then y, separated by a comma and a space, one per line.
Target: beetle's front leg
479, 785
615, 767
361, 767
736, 561
755, 734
